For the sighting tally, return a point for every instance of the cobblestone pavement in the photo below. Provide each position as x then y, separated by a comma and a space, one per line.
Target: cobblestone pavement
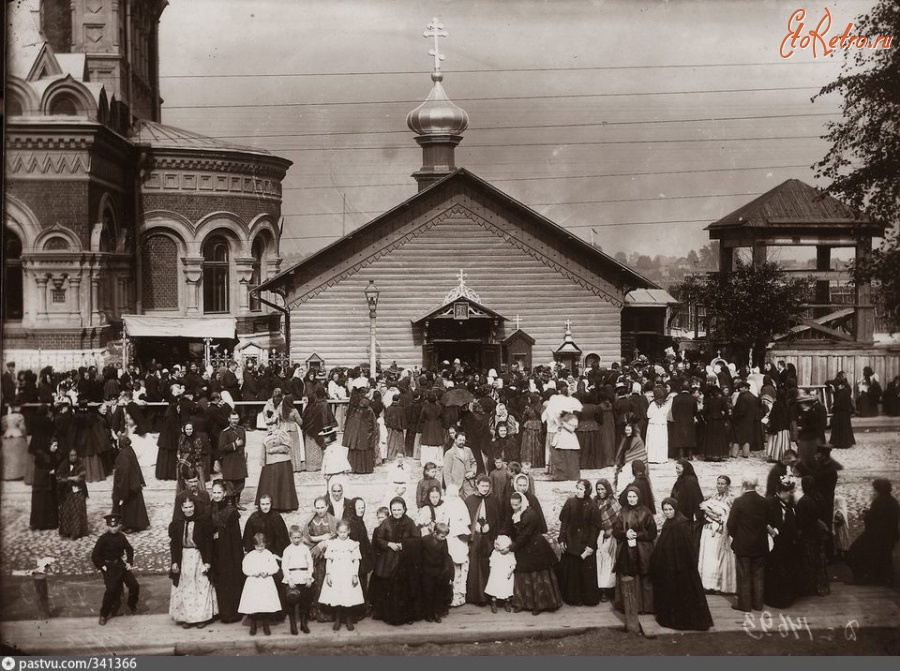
873, 456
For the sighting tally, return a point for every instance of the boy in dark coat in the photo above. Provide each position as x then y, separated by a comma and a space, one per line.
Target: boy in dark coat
437, 572
113, 556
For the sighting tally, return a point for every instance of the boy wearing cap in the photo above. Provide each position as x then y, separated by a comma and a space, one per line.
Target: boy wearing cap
113, 556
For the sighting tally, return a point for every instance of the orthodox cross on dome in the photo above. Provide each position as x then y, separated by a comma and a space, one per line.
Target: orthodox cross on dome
461, 290
436, 30
568, 327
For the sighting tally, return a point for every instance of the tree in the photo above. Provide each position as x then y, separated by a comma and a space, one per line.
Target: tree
747, 306
621, 258
863, 164
693, 259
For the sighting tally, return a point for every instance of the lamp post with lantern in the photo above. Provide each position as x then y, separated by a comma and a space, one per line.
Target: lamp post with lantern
372, 301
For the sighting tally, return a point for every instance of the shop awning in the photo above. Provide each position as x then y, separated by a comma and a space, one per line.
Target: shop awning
165, 326
649, 298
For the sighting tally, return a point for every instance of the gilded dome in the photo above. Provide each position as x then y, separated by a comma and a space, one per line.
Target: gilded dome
437, 115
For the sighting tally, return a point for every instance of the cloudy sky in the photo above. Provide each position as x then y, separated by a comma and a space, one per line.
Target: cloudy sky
604, 115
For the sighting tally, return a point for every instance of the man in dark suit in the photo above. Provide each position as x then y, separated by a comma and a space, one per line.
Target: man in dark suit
748, 528
232, 444
684, 412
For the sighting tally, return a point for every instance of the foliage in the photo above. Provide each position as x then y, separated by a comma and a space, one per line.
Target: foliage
863, 164
747, 306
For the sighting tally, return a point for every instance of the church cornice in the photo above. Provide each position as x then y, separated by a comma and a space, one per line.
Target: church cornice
203, 160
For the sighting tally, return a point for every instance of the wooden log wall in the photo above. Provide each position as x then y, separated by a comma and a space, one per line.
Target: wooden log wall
817, 366
414, 279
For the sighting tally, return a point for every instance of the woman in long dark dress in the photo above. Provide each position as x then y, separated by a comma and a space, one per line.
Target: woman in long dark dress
842, 410
177, 414
812, 534
642, 483
44, 499
396, 579
276, 478
361, 434
536, 587
484, 516
522, 483
73, 494
870, 555
678, 596
532, 447
579, 528
190, 457
227, 553
606, 418
686, 491
634, 532
715, 431
316, 416
588, 434
42, 431
354, 514
780, 582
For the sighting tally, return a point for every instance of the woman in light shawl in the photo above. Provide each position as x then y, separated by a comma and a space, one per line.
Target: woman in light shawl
607, 545
718, 572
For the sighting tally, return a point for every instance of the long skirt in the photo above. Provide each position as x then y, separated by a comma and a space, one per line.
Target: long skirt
29, 470
382, 439
73, 522
277, 480
335, 460
166, 464
606, 561
657, 444
814, 576
460, 578
15, 457
550, 453
842, 431
44, 509
298, 453
643, 589
94, 468
433, 454
578, 580
778, 444
260, 595
567, 465
589, 441
396, 443
715, 440
319, 611
532, 449
193, 599
717, 566
479, 569
362, 461
417, 446
340, 415
313, 453
537, 591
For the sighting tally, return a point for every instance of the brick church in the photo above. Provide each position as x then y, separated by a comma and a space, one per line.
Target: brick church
115, 223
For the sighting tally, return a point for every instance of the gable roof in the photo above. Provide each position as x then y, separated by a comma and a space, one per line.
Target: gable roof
792, 204
333, 253
520, 335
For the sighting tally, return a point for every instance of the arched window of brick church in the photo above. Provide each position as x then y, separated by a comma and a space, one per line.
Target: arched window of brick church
258, 251
215, 275
63, 105
13, 285
159, 278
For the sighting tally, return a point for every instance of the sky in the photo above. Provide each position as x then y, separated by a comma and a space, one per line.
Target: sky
633, 123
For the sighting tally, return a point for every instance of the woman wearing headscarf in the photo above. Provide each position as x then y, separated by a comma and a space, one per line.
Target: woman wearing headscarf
606, 419
588, 433
812, 534
227, 553
870, 555
190, 457
657, 427
320, 528
193, 601
532, 446
73, 494
780, 581
634, 532
642, 483
687, 492
177, 415
361, 434
579, 528
395, 423
42, 430
289, 421
44, 500
354, 514
778, 427
610, 510
715, 425
678, 596
523, 485
842, 410
432, 448
276, 477
631, 448
396, 579
484, 521
316, 417
718, 571
536, 587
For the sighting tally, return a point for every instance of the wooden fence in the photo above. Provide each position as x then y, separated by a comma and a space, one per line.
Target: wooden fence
815, 367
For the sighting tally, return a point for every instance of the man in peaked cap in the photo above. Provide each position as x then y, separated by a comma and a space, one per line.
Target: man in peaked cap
113, 556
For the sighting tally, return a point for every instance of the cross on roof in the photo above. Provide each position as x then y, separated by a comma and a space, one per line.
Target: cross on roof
462, 276
518, 322
568, 325
436, 30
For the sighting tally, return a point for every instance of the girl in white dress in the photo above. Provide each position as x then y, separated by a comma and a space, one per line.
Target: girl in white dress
500, 582
259, 600
342, 590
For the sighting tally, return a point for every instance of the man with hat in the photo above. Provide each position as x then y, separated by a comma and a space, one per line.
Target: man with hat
113, 556
811, 430
192, 491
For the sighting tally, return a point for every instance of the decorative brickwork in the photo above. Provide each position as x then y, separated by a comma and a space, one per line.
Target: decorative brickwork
195, 206
160, 273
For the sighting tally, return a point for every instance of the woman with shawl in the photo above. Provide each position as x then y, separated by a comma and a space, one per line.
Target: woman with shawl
73, 494
432, 448
227, 553
395, 423
396, 579
276, 477
780, 581
193, 601
42, 430
812, 534
484, 520
718, 571
687, 492
360, 434
289, 421
631, 448
44, 499
270, 524
606, 419
316, 417
716, 442
522, 484
842, 410
634, 532
644, 487
678, 595
870, 555
320, 528
778, 427
177, 414
354, 514
610, 510
94, 443
127, 490
579, 528
657, 427
588, 434
532, 447
535, 586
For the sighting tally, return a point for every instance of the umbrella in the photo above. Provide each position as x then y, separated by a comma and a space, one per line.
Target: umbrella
458, 396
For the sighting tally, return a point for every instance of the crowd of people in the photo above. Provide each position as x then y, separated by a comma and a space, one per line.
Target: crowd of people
472, 530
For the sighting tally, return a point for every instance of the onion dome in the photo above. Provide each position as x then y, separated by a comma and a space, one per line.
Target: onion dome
437, 115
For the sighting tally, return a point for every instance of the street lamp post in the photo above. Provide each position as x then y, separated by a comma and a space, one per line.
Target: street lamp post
372, 300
